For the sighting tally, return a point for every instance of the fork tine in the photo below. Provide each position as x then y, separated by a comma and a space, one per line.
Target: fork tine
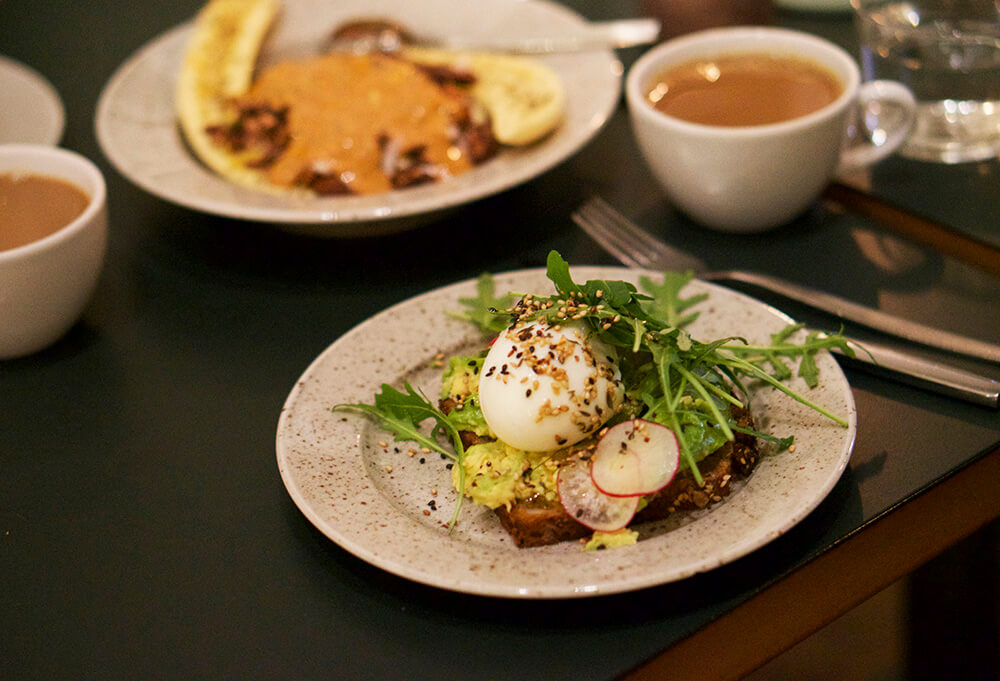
615, 230
628, 242
609, 239
653, 250
622, 238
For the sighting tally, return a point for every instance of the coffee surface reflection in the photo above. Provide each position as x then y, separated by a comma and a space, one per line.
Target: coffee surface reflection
743, 89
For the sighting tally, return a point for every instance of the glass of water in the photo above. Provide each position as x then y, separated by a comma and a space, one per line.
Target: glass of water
947, 52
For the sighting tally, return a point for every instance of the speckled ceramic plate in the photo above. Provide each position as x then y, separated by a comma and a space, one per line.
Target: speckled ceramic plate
374, 501
138, 131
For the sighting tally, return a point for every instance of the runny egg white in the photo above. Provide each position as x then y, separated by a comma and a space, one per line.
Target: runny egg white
545, 387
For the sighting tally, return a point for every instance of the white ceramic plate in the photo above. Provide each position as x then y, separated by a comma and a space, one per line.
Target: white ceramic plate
338, 474
137, 129
31, 111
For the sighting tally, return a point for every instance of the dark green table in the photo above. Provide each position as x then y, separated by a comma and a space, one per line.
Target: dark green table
144, 530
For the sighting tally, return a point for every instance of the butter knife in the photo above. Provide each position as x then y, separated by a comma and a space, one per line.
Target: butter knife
879, 358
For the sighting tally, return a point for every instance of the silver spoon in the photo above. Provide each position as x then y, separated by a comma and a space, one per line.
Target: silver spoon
383, 35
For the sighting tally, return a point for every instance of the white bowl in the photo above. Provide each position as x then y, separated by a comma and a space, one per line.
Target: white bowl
45, 284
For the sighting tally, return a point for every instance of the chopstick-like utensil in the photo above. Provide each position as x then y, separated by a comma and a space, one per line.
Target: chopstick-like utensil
973, 252
633, 246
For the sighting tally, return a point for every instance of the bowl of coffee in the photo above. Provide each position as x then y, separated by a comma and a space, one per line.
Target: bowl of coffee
743, 127
53, 237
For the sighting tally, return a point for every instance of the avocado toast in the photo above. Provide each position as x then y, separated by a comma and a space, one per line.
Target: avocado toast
539, 463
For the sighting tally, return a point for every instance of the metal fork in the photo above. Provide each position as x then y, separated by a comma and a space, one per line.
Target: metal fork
635, 247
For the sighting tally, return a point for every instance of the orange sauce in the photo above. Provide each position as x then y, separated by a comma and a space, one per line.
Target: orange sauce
339, 105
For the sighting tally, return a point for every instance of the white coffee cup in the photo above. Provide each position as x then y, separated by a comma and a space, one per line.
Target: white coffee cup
45, 284
753, 178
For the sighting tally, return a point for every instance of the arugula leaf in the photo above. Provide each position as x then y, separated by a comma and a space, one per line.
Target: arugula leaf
782, 347
486, 310
402, 413
782, 443
667, 303
557, 270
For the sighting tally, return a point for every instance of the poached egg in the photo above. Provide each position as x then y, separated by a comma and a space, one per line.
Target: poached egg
545, 387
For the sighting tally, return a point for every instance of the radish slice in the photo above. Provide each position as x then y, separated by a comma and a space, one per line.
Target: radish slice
635, 458
587, 504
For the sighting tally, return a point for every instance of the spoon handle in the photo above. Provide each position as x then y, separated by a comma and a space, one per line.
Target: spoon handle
909, 368
599, 35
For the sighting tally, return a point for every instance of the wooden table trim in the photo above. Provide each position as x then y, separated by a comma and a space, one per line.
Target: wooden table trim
969, 250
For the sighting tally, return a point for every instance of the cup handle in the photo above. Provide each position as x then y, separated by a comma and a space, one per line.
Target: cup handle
885, 133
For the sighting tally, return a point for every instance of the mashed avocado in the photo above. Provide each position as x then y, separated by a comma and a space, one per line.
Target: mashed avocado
460, 383
461, 378
497, 474
610, 540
